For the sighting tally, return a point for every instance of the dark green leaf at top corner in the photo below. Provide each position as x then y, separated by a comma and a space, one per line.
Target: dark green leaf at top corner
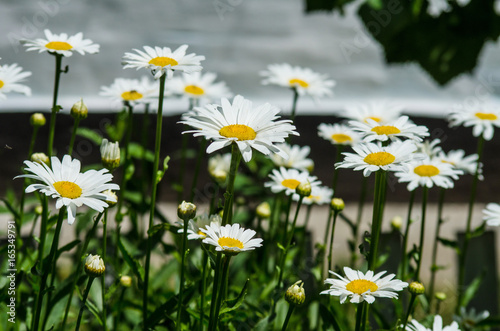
445, 46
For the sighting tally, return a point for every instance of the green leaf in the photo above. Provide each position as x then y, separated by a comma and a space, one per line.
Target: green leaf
160, 174
235, 303
450, 243
328, 318
129, 171
137, 151
479, 230
67, 247
133, 263
471, 290
11, 208
91, 135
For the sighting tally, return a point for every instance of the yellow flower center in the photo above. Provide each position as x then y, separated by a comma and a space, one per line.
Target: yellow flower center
290, 183
374, 118
162, 61
385, 129
379, 158
230, 242
240, 131
360, 286
1, 84
296, 81
131, 95
59, 46
193, 89
68, 190
426, 170
486, 116
202, 235
341, 138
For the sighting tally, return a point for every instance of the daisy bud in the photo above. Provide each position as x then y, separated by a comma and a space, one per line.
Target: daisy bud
40, 158
79, 110
264, 210
126, 281
219, 176
396, 223
441, 296
303, 189
337, 204
111, 198
295, 295
186, 211
94, 266
37, 120
416, 288
241, 201
110, 154
39, 210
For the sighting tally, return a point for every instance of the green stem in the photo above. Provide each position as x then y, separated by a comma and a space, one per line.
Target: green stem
144, 143
73, 136
463, 252
23, 193
410, 309
181, 285
287, 217
119, 310
84, 299
55, 110
79, 267
215, 289
221, 296
199, 158
46, 268
103, 256
378, 208
154, 185
184, 144
308, 215
287, 318
359, 316
203, 288
355, 230
294, 104
435, 246
325, 243
330, 255
422, 233
228, 196
404, 257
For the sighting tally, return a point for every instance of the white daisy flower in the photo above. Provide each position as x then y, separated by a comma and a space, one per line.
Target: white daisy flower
198, 86
457, 158
320, 195
428, 173
338, 134
162, 60
363, 287
230, 239
436, 326
297, 157
219, 166
133, 91
288, 179
400, 128
64, 182
196, 226
492, 214
61, 44
380, 111
482, 121
240, 123
373, 157
303, 80
10, 77
430, 148
469, 319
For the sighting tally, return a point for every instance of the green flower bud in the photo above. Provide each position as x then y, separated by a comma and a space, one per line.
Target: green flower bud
416, 288
337, 204
264, 210
110, 154
94, 266
126, 281
111, 198
303, 189
37, 120
79, 110
295, 295
186, 211
396, 223
441, 296
40, 158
